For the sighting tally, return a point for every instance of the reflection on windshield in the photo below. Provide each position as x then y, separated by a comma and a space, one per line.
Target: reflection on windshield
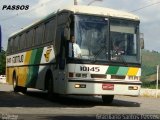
91, 35
123, 37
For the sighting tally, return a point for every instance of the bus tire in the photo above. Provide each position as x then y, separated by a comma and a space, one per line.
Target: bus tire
107, 99
49, 85
16, 88
23, 90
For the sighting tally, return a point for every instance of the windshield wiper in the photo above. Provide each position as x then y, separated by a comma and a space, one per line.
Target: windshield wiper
98, 53
120, 58
123, 60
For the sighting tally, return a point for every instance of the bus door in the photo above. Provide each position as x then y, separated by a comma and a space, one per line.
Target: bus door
60, 60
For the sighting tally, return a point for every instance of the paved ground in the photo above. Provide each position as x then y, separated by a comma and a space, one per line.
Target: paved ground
34, 105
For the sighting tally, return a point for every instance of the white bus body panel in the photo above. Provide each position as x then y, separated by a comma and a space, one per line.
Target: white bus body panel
93, 86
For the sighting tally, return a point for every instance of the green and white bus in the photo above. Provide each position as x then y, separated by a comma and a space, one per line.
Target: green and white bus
110, 61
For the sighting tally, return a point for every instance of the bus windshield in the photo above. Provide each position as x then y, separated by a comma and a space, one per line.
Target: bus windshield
97, 43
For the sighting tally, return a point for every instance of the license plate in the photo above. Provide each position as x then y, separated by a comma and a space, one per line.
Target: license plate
108, 86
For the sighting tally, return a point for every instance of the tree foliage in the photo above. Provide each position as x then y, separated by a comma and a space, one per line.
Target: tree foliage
2, 62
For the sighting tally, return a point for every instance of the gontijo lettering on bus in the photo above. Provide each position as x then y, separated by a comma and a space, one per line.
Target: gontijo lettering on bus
16, 59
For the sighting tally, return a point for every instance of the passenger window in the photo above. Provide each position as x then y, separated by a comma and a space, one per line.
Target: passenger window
29, 38
39, 35
22, 41
49, 31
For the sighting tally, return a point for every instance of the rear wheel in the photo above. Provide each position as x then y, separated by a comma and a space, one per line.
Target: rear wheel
50, 87
23, 89
107, 99
16, 88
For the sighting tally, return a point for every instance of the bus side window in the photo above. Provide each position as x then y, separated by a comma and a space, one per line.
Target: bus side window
11, 43
29, 38
15, 44
9, 49
22, 42
25, 40
39, 34
49, 31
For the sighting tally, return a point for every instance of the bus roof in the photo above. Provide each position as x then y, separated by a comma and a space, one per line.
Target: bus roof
92, 10
101, 11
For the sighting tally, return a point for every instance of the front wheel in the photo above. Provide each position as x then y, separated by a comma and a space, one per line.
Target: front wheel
49, 86
107, 99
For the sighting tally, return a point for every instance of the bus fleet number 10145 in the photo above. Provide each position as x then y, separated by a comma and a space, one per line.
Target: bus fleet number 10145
94, 69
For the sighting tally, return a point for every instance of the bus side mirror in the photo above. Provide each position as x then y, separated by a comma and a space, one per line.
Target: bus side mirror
142, 43
67, 33
67, 30
141, 40
0, 40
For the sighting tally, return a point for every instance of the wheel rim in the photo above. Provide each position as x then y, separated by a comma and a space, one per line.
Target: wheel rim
14, 83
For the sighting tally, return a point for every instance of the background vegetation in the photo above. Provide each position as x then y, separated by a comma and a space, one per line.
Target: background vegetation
150, 60
2, 62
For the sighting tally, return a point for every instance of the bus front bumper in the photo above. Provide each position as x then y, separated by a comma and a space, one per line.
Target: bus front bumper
82, 87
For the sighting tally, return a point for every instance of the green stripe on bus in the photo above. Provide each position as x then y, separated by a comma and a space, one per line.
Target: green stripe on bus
112, 70
38, 56
33, 57
122, 71
33, 70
